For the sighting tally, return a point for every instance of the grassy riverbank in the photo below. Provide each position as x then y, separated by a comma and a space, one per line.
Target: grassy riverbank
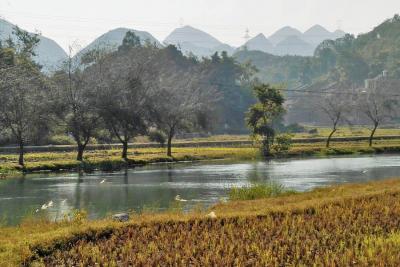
340, 225
311, 132
108, 160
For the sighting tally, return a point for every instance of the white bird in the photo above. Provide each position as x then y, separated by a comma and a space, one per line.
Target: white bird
364, 171
44, 207
223, 199
211, 215
103, 181
50, 204
37, 210
178, 198
63, 201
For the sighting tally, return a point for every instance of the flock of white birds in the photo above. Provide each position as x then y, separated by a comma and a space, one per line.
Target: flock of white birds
50, 204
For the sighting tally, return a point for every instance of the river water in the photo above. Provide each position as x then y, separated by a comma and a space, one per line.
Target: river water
154, 187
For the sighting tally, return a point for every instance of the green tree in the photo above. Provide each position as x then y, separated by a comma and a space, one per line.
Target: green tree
232, 81
124, 96
262, 116
130, 40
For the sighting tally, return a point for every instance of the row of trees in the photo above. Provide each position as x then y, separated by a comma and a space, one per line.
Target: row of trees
375, 105
127, 92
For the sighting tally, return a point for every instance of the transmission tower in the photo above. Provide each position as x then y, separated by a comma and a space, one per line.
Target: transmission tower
247, 36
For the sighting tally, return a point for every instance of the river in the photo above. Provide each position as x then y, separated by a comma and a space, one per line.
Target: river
154, 187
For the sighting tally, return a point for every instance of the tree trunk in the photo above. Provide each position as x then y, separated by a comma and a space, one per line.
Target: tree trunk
371, 137
266, 147
21, 154
328, 141
125, 150
81, 148
169, 144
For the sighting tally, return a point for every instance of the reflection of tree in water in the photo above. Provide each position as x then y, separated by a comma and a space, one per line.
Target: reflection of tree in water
169, 173
21, 180
126, 187
126, 176
259, 173
77, 204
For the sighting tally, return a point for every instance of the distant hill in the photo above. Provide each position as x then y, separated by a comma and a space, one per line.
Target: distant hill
195, 41
293, 45
352, 58
380, 48
291, 41
366, 55
338, 34
283, 34
112, 39
285, 41
317, 34
49, 54
259, 43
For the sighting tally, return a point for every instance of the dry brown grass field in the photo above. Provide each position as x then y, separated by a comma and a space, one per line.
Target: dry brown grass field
344, 225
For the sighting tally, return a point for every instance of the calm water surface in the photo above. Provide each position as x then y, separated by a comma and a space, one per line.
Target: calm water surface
155, 187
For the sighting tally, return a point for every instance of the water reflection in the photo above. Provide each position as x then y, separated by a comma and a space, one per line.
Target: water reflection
157, 186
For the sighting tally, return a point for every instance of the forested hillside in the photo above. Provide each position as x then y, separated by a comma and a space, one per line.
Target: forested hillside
275, 69
350, 58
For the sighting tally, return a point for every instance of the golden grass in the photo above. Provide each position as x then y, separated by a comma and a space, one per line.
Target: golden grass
354, 224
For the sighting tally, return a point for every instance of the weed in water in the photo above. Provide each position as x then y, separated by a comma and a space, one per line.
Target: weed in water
257, 191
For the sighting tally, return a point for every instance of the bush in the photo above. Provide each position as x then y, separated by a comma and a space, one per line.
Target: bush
158, 137
61, 140
295, 128
257, 191
93, 141
283, 143
313, 131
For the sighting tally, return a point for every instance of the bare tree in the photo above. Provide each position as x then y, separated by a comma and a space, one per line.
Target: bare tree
74, 102
334, 106
376, 104
183, 101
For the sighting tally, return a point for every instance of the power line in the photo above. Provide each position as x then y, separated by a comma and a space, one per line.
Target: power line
312, 92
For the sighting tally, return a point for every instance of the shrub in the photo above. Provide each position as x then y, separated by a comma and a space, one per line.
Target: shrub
61, 140
93, 141
313, 131
283, 143
257, 191
158, 137
295, 128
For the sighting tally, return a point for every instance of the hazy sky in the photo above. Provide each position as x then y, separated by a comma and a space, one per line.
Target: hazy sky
67, 21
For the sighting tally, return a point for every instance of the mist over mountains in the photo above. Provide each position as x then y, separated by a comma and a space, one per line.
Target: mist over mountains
286, 41
197, 42
290, 41
191, 41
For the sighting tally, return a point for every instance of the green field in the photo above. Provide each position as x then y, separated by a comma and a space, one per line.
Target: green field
321, 132
346, 225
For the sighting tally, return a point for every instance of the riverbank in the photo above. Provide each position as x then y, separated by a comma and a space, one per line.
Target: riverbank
354, 224
110, 160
